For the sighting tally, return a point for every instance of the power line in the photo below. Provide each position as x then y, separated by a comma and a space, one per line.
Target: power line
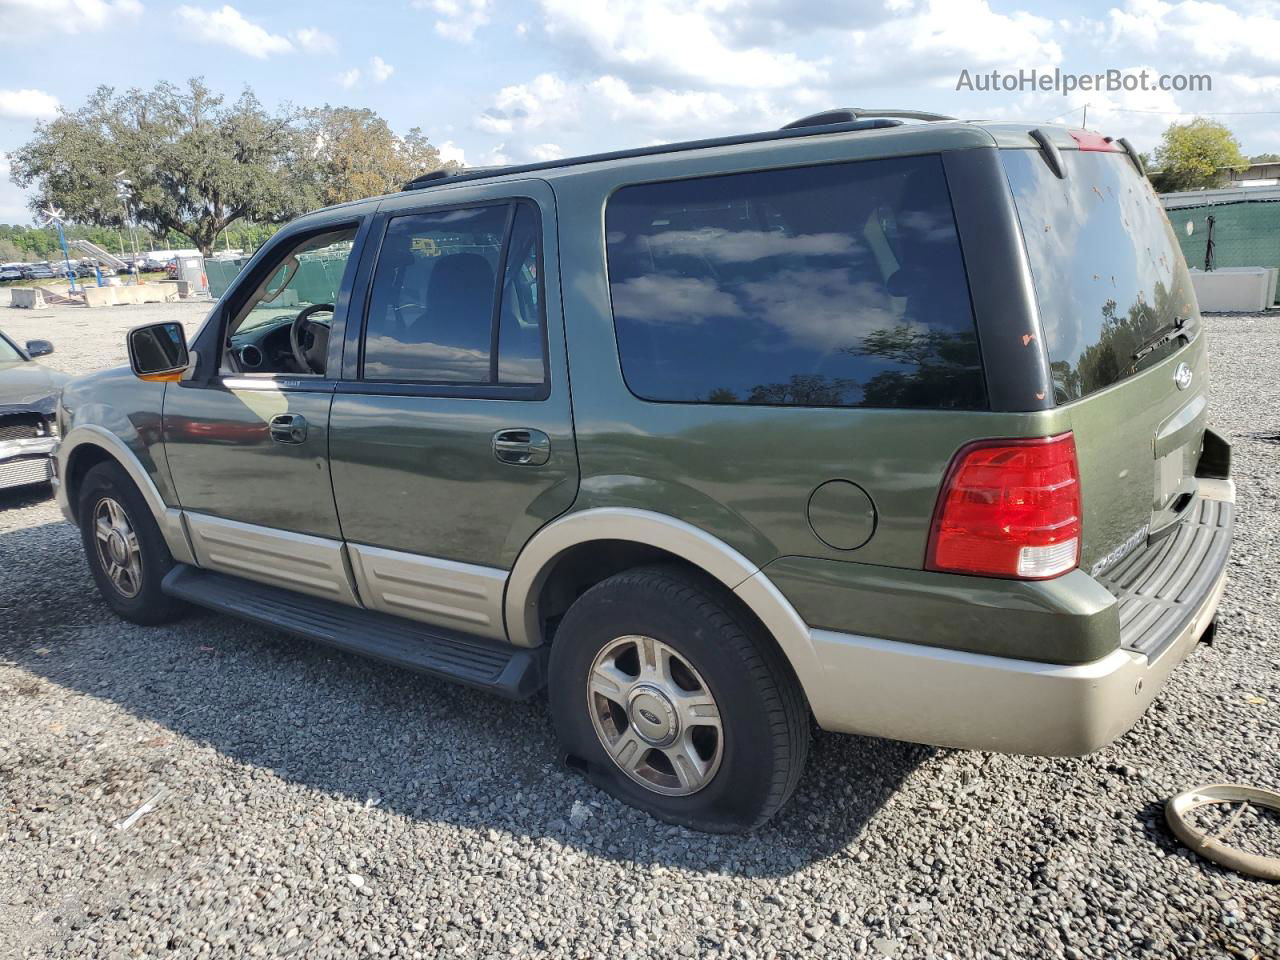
1198, 113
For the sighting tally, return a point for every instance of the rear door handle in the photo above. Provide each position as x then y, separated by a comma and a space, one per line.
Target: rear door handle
522, 447
289, 428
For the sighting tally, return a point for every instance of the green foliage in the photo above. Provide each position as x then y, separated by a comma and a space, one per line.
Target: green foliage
194, 165
26, 244
355, 154
200, 168
1265, 158
1196, 155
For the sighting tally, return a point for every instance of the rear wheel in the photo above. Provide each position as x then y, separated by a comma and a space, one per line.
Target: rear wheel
126, 552
664, 691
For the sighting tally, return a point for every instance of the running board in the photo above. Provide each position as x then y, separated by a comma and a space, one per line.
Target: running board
509, 671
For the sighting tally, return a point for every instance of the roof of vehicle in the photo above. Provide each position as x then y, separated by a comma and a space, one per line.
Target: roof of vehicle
936, 133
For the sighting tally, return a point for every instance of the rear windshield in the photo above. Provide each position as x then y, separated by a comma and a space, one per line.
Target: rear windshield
1108, 272
835, 285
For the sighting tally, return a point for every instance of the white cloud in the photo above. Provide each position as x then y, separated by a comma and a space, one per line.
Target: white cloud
349, 78
497, 157
944, 36
313, 40
458, 19
653, 41
450, 152
546, 151
227, 26
380, 70
1201, 32
533, 116
28, 104
66, 16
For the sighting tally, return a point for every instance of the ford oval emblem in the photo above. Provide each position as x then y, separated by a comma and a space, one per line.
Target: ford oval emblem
1182, 376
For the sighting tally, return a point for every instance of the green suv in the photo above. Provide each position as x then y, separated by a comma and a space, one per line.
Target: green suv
896, 427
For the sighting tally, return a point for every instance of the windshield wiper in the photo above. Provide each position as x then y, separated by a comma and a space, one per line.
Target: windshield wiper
1164, 335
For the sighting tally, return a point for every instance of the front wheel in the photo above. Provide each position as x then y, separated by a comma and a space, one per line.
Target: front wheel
125, 549
667, 695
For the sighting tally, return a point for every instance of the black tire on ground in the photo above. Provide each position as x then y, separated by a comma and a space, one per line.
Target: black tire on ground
764, 716
149, 606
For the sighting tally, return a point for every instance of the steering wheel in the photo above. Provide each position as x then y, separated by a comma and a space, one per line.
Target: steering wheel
308, 339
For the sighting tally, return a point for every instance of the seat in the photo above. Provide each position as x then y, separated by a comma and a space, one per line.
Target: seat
459, 304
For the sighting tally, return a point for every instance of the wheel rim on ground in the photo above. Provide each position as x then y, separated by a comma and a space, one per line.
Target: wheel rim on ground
655, 715
118, 550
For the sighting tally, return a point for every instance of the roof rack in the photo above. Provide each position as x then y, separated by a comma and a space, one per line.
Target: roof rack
870, 120
849, 114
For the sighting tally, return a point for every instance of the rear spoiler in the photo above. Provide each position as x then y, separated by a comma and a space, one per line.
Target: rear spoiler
1085, 140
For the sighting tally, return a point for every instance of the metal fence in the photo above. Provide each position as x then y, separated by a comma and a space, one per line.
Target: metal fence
1246, 232
317, 278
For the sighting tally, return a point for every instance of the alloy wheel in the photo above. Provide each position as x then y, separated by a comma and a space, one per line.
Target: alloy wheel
655, 715
118, 549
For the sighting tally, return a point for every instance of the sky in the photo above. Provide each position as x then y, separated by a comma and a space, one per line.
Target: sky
494, 82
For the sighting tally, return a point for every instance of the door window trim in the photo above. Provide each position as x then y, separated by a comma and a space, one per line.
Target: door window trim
263, 264
357, 383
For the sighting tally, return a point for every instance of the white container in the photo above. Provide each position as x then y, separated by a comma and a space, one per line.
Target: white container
1235, 289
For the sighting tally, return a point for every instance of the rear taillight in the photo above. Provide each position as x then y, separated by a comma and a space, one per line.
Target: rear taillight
1009, 508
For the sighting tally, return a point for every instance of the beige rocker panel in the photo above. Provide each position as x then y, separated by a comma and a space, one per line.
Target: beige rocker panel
295, 561
442, 592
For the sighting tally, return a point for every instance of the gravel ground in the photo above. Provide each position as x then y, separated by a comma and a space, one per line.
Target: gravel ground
303, 802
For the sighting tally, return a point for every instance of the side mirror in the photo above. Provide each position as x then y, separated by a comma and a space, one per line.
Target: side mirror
39, 348
158, 351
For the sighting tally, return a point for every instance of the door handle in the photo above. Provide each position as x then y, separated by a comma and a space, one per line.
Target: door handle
289, 428
522, 447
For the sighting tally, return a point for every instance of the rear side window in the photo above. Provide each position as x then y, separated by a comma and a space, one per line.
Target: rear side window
835, 285
1108, 272
456, 299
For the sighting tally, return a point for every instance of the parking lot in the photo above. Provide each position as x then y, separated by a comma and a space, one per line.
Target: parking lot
309, 803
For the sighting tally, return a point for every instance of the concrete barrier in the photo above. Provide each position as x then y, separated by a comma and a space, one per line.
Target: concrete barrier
1234, 289
29, 298
179, 288
99, 297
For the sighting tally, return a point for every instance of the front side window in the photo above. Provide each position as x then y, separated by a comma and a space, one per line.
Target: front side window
836, 285
282, 327
438, 279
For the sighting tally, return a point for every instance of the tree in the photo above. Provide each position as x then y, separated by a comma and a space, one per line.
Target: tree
1265, 158
356, 154
1196, 155
194, 165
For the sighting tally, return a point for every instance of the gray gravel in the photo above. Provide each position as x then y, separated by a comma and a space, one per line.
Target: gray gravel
309, 803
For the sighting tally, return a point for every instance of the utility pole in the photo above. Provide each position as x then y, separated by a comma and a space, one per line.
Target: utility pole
53, 216
122, 194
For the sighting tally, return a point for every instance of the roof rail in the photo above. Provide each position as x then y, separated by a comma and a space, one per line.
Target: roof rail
434, 179
848, 114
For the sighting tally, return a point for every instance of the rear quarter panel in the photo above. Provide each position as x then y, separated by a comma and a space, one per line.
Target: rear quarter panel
744, 473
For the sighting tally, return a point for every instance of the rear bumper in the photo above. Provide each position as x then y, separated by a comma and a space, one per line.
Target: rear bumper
975, 701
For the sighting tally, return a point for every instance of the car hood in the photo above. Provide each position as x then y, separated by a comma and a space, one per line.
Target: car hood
25, 385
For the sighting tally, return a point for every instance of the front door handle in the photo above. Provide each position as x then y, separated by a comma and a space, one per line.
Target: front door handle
522, 447
289, 428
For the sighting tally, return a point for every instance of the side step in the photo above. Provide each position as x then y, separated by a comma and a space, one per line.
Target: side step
512, 672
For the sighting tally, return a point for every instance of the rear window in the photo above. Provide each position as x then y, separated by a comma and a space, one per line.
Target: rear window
835, 285
1108, 273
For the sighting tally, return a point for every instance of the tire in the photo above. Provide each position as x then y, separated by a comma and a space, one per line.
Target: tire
729, 780
137, 596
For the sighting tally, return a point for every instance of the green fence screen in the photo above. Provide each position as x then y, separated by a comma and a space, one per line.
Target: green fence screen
1245, 233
